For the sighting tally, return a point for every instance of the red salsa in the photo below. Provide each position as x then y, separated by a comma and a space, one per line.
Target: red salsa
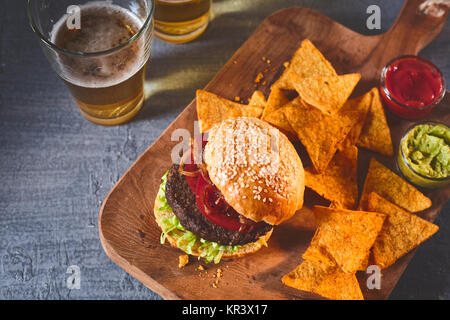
411, 86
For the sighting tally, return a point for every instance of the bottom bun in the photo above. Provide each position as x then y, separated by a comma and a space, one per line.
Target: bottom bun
175, 234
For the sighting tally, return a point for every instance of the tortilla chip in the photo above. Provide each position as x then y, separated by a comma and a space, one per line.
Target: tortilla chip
335, 205
307, 61
402, 231
320, 255
306, 276
276, 100
375, 134
347, 235
360, 107
317, 253
338, 182
257, 99
390, 186
212, 109
320, 134
278, 119
365, 263
272, 112
328, 94
340, 286
329, 282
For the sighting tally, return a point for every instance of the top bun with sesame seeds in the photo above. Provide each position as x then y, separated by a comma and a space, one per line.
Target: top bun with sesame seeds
256, 168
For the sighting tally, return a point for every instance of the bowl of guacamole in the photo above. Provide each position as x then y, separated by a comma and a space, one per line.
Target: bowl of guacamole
424, 154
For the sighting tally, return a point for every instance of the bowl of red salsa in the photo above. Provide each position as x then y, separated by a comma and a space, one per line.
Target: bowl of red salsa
411, 86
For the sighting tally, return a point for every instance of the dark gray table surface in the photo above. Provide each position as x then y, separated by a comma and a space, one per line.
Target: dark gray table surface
56, 167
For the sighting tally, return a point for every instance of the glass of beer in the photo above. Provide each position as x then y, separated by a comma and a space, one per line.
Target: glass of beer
180, 21
100, 50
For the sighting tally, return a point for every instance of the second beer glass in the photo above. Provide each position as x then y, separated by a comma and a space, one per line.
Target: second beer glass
180, 21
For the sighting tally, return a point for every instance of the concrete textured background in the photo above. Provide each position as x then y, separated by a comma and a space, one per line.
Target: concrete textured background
56, 167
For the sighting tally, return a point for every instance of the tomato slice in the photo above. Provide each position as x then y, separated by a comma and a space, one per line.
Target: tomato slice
192, 181
211, 203
190, 166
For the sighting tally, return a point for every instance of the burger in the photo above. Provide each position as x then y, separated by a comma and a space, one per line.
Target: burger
249, 179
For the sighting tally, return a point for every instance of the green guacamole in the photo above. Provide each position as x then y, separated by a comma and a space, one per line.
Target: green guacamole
427, 150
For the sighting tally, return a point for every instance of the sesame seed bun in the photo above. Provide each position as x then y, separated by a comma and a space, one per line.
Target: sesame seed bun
256, 168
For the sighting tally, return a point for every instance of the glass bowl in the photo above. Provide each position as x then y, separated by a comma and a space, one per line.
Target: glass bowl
400, 109
410, 173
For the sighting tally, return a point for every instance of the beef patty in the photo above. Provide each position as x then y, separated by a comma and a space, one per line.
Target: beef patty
182, 201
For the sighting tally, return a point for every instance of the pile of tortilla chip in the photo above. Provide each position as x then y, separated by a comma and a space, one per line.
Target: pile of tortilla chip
311, 102
381, 231
387, 193
347, 240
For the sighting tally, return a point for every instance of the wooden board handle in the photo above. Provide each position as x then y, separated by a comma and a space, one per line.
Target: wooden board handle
413, 30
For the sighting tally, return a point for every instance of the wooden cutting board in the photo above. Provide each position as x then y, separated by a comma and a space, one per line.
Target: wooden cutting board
128, 232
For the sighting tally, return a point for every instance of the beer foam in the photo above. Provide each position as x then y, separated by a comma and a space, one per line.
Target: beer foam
104, 26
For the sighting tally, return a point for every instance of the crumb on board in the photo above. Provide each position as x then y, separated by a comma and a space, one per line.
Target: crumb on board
237, 98
258, 78
286, 64
201, 268
183, 260
217, 275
